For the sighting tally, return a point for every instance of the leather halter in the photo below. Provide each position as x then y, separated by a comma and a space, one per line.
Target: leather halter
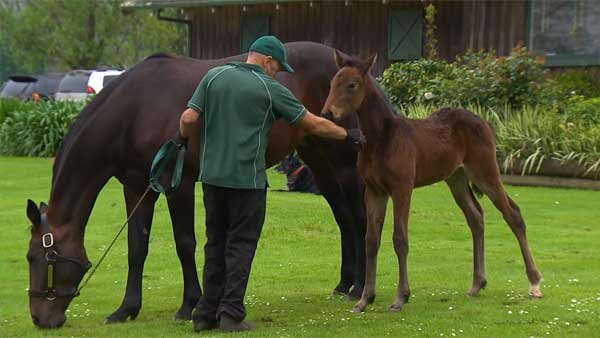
53, 257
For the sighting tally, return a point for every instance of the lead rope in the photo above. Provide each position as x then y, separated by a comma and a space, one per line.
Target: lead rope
167, 152
113, 241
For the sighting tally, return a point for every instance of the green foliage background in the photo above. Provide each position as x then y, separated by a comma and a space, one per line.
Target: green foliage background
60, 35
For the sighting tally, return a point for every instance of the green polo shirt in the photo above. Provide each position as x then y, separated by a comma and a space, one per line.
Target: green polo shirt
238, 104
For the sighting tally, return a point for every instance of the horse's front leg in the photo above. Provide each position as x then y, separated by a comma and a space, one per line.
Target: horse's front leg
401, 199
138, 234
376, 203
181, 208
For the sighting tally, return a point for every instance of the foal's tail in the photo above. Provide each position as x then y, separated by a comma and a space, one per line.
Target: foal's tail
475, 191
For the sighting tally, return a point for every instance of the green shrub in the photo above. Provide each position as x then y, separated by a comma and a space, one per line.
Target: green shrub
585, 112
534, 134
474, 78
574, 82
7, 106
37, 131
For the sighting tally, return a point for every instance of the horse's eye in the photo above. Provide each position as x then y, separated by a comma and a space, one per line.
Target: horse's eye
353, 86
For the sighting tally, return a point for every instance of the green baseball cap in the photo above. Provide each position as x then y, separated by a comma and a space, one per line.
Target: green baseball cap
271, 46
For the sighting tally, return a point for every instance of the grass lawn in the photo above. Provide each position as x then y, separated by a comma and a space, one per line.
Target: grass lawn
297, 266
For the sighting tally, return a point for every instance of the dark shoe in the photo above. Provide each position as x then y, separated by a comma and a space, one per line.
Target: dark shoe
229, 324
205, 325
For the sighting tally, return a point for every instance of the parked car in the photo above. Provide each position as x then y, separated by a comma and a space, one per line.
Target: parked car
32, 87
74, 86
101, 78
77, 85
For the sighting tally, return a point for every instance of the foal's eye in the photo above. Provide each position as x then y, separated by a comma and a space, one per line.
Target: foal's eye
353, 85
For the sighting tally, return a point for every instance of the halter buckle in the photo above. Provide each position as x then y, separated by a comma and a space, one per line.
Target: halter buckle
47, 240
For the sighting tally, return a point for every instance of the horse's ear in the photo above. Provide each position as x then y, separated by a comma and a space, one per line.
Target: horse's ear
370, 63
339, 58
43, 206
33, 213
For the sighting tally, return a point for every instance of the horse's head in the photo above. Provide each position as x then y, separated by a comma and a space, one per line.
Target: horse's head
348, 86
57, 263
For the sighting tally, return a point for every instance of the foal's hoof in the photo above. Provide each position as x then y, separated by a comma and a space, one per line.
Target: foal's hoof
396, 307
358, 308
535, 292
476, 288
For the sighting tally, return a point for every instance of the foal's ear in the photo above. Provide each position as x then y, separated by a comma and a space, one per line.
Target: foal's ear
369, 63
43, 207
340, 60
33, 213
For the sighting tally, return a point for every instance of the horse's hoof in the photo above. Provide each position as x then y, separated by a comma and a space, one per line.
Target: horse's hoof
121, 315
182, 315
337, 292
341, 289
354, 294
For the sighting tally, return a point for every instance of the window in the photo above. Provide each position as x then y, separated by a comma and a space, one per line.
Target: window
566, 32
404, 34
252, 28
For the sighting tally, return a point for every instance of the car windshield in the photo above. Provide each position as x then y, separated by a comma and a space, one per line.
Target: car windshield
74, 83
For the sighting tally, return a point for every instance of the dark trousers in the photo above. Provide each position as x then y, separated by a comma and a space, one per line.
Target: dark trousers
234, 220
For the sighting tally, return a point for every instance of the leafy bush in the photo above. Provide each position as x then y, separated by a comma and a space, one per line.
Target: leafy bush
575, 82
586, 112
534, 134
474, 78
7, 106
37, 130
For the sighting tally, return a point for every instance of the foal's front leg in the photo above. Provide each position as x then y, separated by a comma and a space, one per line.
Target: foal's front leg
401, 199
376, 203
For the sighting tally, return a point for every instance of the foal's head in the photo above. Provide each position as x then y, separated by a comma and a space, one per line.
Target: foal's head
57, 263
349, 85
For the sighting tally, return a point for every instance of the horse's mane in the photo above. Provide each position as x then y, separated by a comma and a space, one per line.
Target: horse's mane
161, 55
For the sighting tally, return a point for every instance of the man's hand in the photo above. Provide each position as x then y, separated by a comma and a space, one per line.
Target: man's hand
179, 139
356, 138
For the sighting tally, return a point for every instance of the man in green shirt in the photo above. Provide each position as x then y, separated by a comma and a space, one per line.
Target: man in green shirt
237, 104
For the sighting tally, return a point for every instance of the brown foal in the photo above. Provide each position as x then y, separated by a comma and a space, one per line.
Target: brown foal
453, 145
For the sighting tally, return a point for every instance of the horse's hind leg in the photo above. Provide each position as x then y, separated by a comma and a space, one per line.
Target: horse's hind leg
181, 209
463, 195
376, 203
486, 175
138, 233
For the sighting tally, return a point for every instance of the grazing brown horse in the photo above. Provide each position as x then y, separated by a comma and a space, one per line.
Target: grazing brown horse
401, 154
118, 134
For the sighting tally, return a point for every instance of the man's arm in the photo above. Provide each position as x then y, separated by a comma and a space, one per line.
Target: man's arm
319, 126
188, 120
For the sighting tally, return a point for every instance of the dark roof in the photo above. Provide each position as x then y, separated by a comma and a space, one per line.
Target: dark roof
134, 4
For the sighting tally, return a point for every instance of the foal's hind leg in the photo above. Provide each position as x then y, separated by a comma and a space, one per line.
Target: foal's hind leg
376, 203
401, 200
486, 175
463, 195
138, 234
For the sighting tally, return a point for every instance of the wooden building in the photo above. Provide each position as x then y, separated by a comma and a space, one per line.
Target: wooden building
565, 31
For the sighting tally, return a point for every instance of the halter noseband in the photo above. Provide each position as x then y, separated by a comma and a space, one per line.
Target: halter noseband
53, 257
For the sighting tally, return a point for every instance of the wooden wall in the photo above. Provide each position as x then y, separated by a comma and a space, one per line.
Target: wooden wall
360, 28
